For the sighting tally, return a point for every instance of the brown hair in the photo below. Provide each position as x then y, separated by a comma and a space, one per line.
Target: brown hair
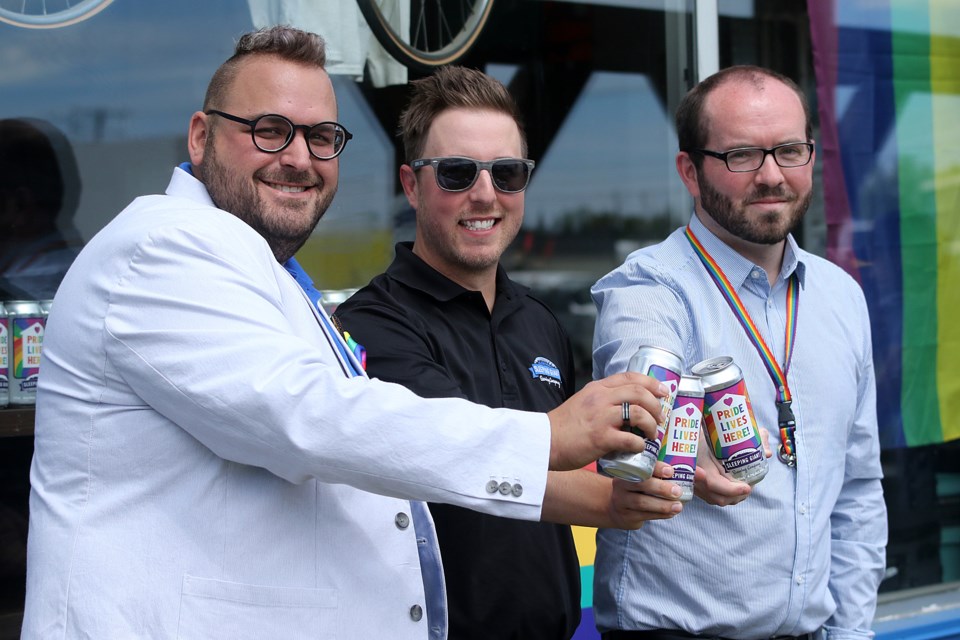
452, 87
692, 126
287, 43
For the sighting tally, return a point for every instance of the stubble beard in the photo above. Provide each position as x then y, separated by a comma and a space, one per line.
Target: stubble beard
284, 227
455, 256
768, 228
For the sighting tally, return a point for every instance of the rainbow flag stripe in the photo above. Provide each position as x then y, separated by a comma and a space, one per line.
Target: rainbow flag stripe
888, 87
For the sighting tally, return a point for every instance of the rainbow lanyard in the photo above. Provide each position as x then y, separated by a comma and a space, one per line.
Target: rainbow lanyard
787, 451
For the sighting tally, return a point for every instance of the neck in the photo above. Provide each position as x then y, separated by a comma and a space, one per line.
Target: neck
483, 280
768, 257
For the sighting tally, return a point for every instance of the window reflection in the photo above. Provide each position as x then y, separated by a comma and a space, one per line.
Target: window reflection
39, 192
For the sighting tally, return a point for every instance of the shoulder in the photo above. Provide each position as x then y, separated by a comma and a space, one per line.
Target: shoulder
667, 263
381, 308
828, 282
171, 226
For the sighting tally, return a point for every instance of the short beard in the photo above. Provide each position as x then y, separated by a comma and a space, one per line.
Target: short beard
235, 195
770, 228
463, 261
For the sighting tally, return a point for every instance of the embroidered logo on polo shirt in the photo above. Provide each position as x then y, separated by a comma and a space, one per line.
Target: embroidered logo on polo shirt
545, 371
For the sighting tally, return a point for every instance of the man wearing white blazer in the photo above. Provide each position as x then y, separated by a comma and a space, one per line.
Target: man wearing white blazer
210, 459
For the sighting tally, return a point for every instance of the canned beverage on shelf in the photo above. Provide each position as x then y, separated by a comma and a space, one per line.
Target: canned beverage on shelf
664, 366
682, 434
728, 416
26, 342
4, 357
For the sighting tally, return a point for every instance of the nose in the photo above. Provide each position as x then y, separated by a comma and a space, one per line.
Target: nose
483, 189
297, 153
769, 172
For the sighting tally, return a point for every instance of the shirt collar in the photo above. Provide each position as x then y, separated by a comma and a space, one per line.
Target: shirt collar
409, 269
736, 267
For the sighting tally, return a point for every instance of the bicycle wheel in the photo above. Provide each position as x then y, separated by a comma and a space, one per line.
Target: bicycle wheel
48, 14
441, 31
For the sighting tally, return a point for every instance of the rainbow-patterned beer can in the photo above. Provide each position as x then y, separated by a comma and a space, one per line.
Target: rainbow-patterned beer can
682, 434
26, 343
728, 416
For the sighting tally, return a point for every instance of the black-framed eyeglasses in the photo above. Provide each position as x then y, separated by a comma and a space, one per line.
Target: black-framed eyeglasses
273, 133
455, 173
792, 154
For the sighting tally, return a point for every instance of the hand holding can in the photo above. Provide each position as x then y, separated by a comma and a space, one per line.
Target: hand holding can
664, 366
728, 417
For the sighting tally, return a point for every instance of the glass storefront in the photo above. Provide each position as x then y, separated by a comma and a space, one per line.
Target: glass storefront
597, 82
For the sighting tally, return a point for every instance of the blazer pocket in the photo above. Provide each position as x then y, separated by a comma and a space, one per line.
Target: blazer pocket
220, 609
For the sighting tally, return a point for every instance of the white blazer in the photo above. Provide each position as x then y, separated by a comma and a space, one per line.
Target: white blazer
204, 468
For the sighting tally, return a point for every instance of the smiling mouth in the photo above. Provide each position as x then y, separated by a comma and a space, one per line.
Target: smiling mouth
479, 225
285, 188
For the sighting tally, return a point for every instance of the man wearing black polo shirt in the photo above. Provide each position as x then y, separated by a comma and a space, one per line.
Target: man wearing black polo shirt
445, 320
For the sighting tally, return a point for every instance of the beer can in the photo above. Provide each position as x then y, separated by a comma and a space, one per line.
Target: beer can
26, 343
665, 366
728, 416
4, 357
682, 434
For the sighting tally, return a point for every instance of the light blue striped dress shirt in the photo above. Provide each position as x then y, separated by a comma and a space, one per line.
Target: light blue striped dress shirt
807, 549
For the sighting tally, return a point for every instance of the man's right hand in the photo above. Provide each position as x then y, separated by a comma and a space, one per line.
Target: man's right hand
588, 425
711, 482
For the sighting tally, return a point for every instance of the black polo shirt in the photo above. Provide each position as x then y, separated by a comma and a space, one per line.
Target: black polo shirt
506, 579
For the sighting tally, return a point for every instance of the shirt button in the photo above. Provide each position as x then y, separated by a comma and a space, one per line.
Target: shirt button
755, 274
803, 509
799, 580
517, 490
505, 488
416, 613
402, 521
492, 486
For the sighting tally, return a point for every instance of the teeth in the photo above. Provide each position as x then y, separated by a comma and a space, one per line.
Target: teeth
288, 189
478, 225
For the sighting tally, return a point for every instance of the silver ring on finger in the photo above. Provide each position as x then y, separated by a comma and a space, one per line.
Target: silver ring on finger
625, 412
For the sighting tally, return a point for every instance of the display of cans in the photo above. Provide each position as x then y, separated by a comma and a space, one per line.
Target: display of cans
4, 357
728, 416
665, 366
682, 434
26, 325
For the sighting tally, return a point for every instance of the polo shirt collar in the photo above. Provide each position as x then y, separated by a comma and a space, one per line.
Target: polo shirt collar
409, 269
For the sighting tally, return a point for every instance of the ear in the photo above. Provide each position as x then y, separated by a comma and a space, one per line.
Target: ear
197, 137
408, 178
688, 173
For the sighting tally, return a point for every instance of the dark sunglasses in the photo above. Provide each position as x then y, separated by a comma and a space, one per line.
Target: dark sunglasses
510, 175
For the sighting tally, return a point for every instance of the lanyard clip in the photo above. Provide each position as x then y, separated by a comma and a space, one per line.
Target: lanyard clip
785, 415
786, 452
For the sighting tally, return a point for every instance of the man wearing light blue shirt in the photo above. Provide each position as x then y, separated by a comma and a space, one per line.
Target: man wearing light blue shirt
803, 554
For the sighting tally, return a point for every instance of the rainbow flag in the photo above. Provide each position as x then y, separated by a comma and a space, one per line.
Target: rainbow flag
888, 89
585, 538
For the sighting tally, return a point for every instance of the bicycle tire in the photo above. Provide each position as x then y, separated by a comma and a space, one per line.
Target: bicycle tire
73, 14
419, 57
